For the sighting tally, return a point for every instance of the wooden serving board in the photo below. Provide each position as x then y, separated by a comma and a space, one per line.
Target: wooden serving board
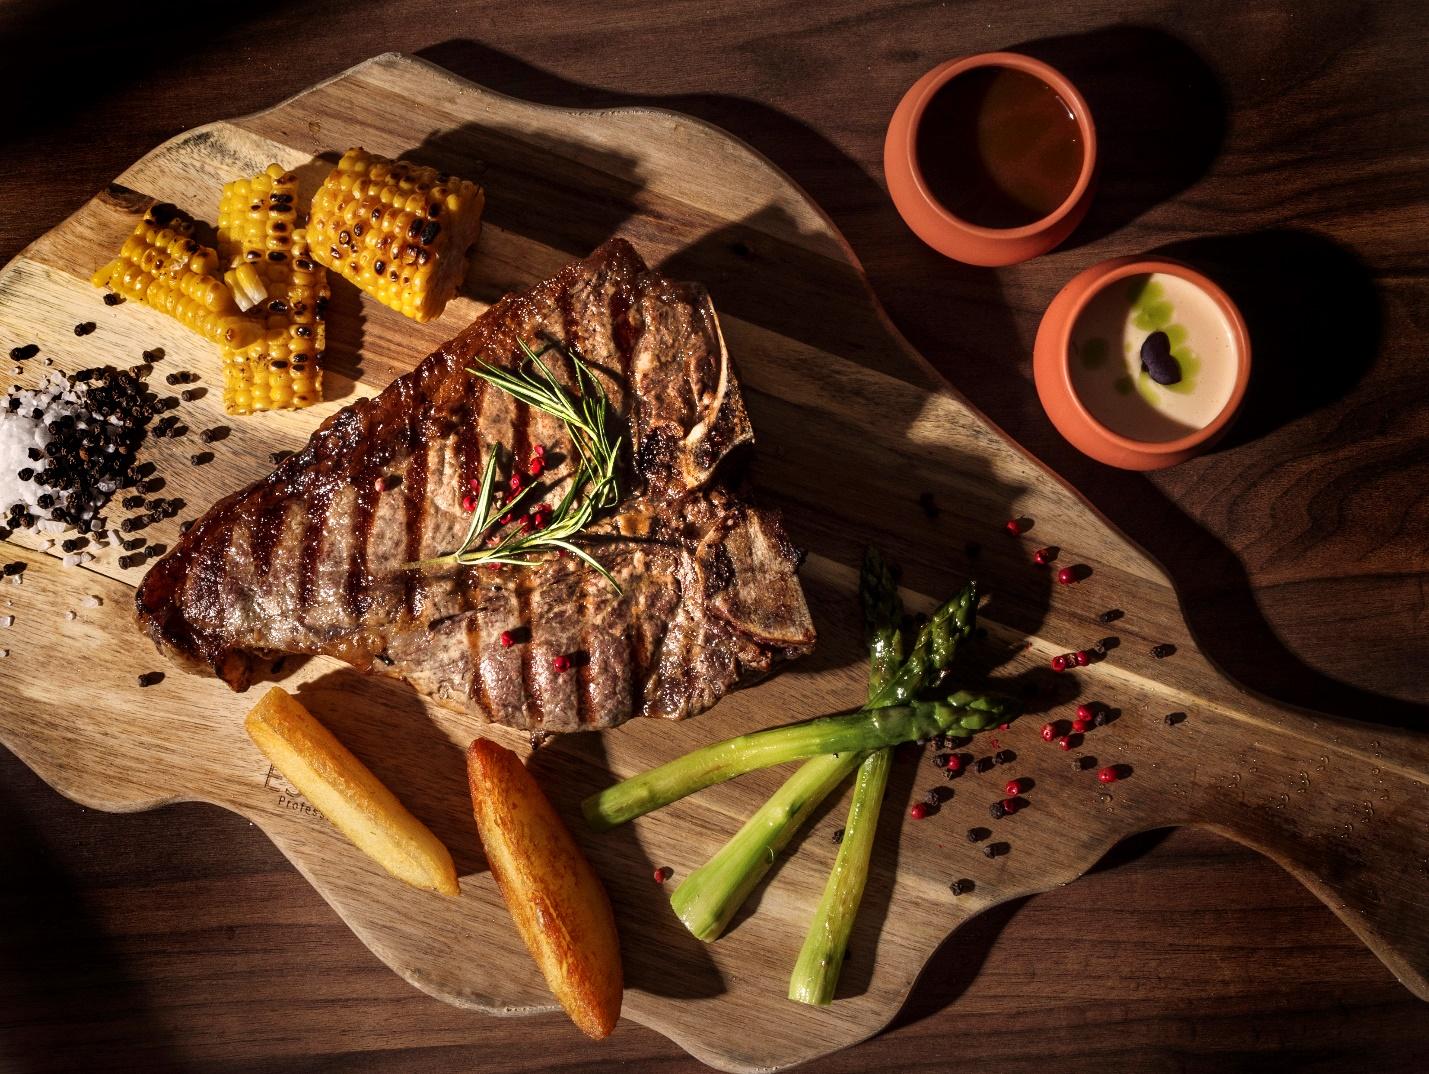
853, 428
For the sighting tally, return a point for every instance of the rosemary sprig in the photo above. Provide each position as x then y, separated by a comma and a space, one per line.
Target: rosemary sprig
593, 488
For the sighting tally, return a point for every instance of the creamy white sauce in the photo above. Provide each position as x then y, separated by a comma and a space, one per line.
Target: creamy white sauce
1105, 357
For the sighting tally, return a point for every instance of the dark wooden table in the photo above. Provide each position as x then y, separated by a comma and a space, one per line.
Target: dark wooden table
1282, 146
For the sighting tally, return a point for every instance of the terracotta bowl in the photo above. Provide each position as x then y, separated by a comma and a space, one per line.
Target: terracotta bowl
947, 233
1051, 367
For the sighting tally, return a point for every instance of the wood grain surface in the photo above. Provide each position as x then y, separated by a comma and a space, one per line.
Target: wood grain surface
1354, 499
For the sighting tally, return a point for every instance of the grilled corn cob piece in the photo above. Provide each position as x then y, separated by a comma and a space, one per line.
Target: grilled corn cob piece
273, 274
162, 265
398, 230
283, 370
256, 220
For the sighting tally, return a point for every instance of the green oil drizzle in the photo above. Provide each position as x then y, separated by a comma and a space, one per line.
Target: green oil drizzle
1151, 312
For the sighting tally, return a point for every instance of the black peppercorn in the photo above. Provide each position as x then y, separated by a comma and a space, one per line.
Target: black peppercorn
839, 835
84, 328
998, 810
1162, 651
201, 458
151, 678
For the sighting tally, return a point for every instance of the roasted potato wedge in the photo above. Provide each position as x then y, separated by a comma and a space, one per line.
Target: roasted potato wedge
345, 791
559, 904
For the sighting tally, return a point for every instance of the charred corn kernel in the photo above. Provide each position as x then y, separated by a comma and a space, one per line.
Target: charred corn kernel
398, 230
283, 369
163, 266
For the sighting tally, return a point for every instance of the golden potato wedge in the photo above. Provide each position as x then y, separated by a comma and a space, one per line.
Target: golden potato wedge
345, 791
559, 904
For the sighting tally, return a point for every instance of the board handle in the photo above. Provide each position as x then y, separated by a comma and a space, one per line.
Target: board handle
1344, 807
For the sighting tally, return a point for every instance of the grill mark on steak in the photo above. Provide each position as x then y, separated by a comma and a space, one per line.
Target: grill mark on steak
414, 504
585, 700
263, 536
471, 452
309, 559
622, 332
355, 585
530, 695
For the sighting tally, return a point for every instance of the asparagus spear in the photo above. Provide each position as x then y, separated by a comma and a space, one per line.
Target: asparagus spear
863, 729
708, 898
816, 971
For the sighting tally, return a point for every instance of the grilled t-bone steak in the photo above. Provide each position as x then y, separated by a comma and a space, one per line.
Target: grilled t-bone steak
310, 559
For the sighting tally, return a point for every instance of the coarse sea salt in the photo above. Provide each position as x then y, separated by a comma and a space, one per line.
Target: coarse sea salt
7, 620
20, 431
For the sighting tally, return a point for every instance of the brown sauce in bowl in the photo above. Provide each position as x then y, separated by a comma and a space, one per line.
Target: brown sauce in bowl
999, 148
